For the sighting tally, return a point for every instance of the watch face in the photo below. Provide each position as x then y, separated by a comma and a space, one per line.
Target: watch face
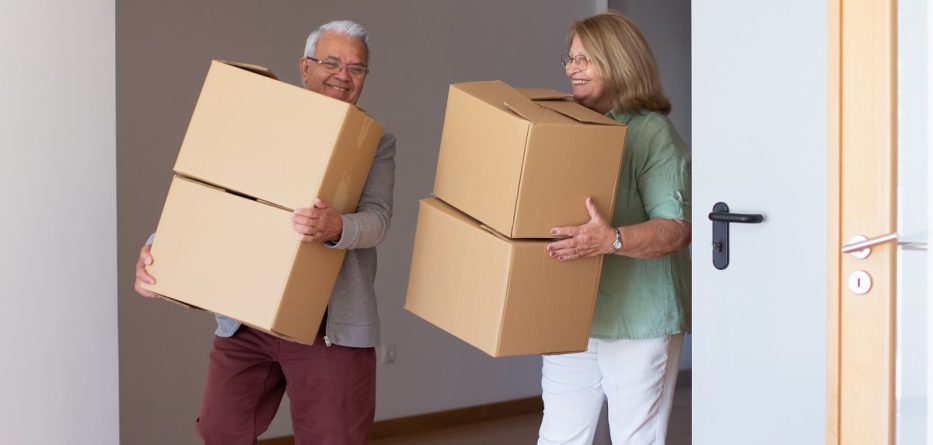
617, 244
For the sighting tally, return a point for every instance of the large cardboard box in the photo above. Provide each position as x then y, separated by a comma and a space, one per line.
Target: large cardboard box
524, 161
503, 296
255, 150
237, 257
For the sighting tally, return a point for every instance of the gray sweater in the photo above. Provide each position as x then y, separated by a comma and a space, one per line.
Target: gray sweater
352, 318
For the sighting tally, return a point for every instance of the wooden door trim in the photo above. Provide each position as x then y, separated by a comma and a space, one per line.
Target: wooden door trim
862, 200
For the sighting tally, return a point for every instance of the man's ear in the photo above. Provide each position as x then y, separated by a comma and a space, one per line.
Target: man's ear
303, 70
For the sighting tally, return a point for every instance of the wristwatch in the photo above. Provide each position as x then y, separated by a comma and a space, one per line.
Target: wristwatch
617, 244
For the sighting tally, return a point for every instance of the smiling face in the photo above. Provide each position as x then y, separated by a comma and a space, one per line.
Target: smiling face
589, 89
340, 85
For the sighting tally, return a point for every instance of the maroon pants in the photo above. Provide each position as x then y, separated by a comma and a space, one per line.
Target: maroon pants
332, 390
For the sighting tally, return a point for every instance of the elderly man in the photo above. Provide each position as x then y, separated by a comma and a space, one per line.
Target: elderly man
332, 384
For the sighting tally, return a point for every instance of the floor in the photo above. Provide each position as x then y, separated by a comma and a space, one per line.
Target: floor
523, 429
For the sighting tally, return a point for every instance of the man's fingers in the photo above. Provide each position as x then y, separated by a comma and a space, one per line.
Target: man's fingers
308, 218
144, 292
144, 256
142, 275
314, 224
320, 204
304, 211
312, 229
311, 238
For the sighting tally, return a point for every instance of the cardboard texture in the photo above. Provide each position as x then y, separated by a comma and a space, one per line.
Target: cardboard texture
524, 161
240, 258
503, 296
277, 142
256, 149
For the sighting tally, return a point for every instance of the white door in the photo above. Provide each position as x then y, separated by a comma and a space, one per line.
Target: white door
914, 418
759, 146
775, 361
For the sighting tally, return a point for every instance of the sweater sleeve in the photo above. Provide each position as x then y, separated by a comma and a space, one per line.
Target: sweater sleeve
367, 226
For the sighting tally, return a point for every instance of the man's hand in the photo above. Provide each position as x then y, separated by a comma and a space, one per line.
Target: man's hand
591, 239
318, 223
145, 259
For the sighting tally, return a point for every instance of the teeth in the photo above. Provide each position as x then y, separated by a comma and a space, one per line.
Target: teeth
580, 82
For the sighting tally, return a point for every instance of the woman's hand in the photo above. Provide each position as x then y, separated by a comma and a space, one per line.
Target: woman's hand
591, 239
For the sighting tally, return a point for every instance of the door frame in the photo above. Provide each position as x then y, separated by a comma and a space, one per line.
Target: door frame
862, 200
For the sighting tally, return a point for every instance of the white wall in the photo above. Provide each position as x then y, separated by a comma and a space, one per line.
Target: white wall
57, 236
419, 48
913, 99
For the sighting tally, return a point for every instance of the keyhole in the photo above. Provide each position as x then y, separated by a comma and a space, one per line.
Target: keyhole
860, 282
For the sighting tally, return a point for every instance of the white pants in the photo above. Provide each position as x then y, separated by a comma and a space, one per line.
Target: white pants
637, 377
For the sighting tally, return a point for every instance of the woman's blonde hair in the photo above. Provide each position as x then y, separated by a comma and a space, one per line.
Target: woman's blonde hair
624, 61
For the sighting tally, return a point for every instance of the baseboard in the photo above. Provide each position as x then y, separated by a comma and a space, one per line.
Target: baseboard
287, 440
456, 417
441, 419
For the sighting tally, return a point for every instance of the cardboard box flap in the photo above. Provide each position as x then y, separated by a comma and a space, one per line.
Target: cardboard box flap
544, 94
261, 70
527, 110
577, 112
491, 92
493, 232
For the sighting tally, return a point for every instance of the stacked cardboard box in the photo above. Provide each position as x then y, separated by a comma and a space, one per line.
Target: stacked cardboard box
255, 150
513, 164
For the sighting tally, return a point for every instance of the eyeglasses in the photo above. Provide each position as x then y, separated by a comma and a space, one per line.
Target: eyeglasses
580, 61
332, 65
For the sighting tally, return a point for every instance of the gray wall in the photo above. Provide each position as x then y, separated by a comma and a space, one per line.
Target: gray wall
419, 48
59, 256
666, 26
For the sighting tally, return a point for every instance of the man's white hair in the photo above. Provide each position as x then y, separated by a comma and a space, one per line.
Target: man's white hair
345, 27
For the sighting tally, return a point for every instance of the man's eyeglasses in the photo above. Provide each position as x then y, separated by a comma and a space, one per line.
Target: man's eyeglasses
580, 61
334, 66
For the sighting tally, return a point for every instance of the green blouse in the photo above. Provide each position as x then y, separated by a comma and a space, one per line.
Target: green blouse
647, 298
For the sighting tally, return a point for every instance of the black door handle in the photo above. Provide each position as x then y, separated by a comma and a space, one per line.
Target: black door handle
734, 217
721, 218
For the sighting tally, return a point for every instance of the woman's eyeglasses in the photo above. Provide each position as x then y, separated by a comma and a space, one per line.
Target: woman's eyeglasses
580, 61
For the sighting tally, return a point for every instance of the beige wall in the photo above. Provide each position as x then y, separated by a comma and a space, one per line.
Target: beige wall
58, 247
419, 47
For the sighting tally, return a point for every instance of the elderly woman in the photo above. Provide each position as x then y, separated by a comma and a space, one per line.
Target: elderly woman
643, 306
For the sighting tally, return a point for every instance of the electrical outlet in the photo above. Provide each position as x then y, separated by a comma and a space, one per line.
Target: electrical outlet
386, 354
